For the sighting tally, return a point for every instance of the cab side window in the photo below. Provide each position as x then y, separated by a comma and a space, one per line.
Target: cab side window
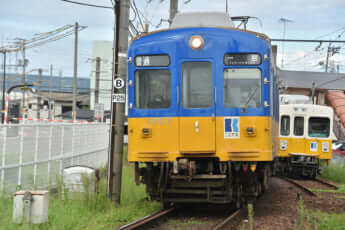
152, 89
298, 126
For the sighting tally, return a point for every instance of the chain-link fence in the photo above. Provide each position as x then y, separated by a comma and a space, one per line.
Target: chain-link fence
33, 155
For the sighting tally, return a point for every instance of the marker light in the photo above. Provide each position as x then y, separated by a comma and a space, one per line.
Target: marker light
253, 167
196, 42
245, 167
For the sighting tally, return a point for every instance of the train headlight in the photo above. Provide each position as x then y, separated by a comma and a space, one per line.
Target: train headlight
196, 42
283, 145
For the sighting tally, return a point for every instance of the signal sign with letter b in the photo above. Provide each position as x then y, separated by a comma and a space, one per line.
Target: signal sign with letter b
119, 83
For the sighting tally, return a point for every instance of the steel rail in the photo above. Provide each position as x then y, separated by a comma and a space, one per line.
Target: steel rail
147, 219
325, 182
305, 189
228, 219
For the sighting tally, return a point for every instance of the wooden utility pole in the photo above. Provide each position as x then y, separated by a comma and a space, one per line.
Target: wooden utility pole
118, 99
3, 90
75, 72
97, 76
173, 10
38, 107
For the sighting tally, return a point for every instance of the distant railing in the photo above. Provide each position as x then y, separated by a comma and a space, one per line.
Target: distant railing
33, 155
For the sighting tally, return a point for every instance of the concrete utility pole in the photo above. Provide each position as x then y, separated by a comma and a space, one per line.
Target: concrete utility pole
97, 73
50, 93
75, 72
313, 92
38, 107
118, 108
173, 10
23, 79
284, 21
3, 90
327, 58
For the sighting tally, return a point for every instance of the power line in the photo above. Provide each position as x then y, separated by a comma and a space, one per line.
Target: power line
88, 4
134, 7
305, 40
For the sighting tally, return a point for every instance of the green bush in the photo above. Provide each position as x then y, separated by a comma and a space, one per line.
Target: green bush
334, 173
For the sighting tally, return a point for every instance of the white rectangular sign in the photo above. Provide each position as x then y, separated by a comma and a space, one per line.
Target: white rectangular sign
119, 97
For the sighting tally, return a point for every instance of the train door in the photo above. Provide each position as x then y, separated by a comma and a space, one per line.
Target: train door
298, 140
197, 122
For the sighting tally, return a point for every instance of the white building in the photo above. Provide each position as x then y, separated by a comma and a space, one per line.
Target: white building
104, 50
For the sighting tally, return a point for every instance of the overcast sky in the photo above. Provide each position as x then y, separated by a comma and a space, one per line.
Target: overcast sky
313, 19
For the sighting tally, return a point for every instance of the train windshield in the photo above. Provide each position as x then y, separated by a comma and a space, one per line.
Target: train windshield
242, 88
152, 89
298, 126
285, 126
197, 84
319, 127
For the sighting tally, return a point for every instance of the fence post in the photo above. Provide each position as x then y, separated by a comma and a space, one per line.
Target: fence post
73, 143
21, 153
2, 179
50, 151
62, 142
36, 152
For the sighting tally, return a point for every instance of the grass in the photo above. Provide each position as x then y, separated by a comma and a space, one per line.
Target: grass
311, 219
184, 222
340, 190
334, 173
95, 212
322, 221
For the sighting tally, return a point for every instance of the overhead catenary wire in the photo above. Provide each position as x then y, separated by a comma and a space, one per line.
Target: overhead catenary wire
88, 4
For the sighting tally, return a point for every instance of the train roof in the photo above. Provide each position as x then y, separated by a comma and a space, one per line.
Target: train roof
307, 109
203, 20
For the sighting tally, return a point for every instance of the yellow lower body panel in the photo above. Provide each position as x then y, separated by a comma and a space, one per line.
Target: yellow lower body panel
306, 147
225, 138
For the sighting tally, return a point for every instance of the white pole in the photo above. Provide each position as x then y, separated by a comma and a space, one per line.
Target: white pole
73, 142
62, 141
21, 151
50, 151
36, 153
2, 179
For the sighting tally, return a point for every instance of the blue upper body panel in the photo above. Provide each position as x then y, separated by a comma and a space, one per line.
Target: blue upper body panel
217, 42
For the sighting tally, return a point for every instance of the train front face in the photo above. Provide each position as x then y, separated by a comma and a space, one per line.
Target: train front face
306, 133
202, 119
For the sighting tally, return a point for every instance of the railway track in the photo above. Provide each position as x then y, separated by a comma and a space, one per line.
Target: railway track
301, 186
308, 185
327, 183
227, 220
148, 221
158, 219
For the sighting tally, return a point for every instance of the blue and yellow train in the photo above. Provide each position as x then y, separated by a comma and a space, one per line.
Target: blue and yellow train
203, 113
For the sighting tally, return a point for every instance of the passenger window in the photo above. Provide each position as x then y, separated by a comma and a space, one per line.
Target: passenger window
152, 89
285, 126
298, 126
242, 88
196, 84
318, 127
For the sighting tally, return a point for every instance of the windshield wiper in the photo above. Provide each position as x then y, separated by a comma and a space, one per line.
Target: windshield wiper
249, 99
